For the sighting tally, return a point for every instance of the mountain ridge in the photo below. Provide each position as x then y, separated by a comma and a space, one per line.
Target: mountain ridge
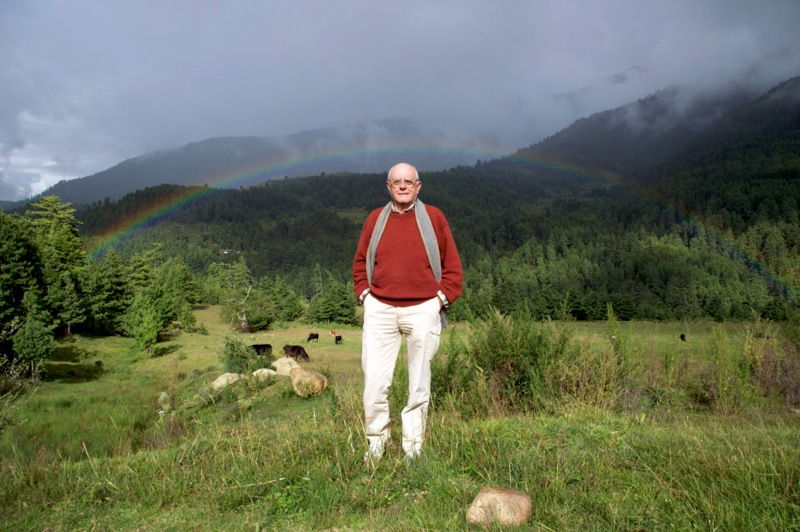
227, 162
648, 139
645, 140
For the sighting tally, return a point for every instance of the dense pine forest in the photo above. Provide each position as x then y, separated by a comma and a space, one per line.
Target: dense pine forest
545, 243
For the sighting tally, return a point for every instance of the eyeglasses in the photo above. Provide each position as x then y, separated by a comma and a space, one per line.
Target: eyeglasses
407, 182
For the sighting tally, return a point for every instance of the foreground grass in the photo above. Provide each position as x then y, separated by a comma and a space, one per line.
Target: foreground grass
583, 469
97, 454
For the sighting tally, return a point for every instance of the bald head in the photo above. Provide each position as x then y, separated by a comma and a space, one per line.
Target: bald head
404, 168
403, 185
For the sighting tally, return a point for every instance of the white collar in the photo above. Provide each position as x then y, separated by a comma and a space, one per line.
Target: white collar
395, 209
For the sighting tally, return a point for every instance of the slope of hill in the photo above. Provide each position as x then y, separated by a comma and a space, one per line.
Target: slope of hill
231, 162
771, 115
657, 135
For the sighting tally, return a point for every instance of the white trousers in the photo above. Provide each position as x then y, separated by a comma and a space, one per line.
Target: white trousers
384, 326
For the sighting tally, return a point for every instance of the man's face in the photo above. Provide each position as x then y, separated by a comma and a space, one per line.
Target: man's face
403, 186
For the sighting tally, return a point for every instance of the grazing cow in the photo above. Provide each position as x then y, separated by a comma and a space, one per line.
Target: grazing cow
262, 350
297, 352
338, 339
313, 336
333, 333
683, 337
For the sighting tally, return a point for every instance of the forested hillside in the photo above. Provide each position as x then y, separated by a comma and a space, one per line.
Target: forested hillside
697, 216
538, 246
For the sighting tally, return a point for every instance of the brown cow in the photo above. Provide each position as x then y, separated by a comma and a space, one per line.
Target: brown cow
297, 352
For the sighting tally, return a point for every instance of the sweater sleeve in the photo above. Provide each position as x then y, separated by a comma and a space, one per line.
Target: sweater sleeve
452, 274
360, 259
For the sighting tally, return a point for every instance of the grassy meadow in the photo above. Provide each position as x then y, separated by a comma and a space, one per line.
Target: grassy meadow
646, 431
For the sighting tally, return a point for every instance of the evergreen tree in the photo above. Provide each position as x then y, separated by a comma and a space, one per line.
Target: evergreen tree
34, 342
139, 272
107, 293
66, 302
260, 310
143, 321
56, 235
20, 273
283, 298
172, 291
335, 303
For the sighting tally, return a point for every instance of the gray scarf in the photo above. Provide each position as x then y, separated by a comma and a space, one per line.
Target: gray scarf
428, 239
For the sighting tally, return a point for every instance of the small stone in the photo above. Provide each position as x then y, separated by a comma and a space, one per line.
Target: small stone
263, 374
499, 506
285, 365
306, 383
224, 380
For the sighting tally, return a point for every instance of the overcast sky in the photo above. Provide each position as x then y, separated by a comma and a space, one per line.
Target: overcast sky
85, 84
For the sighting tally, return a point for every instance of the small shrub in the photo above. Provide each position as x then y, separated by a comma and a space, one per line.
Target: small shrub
777, 370
590, 377
505, 362
666, 379
724, 379
236, 357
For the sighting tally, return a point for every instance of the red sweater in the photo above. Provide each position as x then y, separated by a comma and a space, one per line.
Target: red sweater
403, 274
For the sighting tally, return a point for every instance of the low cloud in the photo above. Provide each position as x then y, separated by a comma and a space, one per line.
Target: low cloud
16, 187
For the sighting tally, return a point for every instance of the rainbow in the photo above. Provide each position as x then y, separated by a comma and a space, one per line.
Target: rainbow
149, 216
153, 214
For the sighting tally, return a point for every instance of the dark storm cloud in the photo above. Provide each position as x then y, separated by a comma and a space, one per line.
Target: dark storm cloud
85, 84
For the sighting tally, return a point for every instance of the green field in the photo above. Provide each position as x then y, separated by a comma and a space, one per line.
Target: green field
94, 452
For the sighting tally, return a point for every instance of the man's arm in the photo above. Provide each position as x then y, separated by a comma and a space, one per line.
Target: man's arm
360, 283
452, 274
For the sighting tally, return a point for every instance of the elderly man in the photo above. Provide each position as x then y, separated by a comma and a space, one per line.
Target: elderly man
406, 272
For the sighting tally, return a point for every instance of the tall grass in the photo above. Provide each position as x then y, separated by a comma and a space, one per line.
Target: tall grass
728, 373
13, 387
508, 364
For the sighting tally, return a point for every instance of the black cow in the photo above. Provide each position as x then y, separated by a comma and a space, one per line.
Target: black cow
297, 352
683, 337
313, 336
338, 339
262, 349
